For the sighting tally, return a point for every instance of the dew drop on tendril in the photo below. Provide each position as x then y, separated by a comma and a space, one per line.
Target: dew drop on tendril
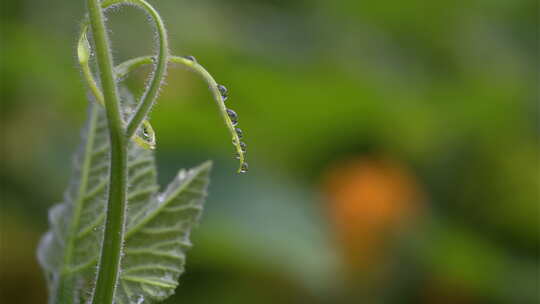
233, 116
145, 133
239, 133
236, 155
243, 146
223, 91
244, 168
191, 58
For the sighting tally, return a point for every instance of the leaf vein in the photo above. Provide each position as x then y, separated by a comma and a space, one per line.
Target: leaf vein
152, 282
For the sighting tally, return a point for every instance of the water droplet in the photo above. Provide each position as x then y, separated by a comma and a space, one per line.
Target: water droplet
146, 138
145, 133
239, 132
223, 91
154, 59
191, 58
236, 155
233, 116
243, 146
244, 168
137, 299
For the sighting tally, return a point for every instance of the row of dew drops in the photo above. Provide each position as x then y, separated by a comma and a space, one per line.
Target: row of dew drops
234, 120
224, 92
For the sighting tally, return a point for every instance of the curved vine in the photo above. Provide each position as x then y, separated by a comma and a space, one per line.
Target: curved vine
147, 140
218, 91
126, 124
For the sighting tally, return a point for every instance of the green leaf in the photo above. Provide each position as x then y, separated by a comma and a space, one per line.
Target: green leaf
158, 237
160, 224
68, 251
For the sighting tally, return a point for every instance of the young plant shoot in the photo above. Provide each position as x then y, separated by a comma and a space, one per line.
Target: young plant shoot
115, 238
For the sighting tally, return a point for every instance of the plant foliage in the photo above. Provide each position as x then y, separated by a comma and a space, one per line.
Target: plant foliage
154, 227
158, 225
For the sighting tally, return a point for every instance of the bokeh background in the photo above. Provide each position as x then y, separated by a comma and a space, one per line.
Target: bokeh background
393, 145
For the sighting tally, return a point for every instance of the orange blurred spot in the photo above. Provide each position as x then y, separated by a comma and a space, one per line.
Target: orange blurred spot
369, 200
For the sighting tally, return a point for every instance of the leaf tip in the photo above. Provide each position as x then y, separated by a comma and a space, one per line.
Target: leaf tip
206, 166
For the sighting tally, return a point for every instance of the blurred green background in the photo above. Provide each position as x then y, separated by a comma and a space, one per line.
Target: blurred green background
393, 145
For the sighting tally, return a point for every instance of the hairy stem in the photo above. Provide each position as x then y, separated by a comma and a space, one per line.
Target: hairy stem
111, 249
128, 66
152, 91
83, 52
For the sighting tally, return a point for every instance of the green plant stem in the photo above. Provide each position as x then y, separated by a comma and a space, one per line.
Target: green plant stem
128, 66
111, 249
83, 52
152, 91
83, 49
